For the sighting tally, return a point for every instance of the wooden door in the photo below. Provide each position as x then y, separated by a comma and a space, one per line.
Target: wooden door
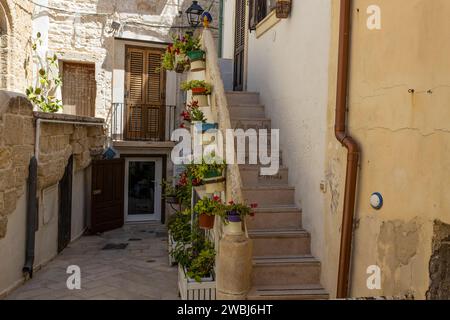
107, 195
79, 88
239, 46
65, 207
145, 94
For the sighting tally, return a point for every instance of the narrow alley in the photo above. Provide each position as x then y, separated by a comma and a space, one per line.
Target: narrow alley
140, 271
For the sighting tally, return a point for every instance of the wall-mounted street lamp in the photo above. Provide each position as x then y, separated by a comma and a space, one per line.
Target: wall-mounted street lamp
194, 14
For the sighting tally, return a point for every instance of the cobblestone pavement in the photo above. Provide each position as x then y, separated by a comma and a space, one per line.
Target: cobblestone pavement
140, 271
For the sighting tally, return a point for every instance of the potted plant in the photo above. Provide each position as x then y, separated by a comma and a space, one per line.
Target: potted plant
235, 213
201, 267
197, 60
196, 269
179, 229
200, 91
192, 48
207, 209
193, 113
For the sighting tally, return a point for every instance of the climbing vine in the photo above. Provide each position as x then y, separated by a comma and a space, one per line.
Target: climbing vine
42, 94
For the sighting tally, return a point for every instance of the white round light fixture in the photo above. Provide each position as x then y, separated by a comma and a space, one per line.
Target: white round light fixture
376, 200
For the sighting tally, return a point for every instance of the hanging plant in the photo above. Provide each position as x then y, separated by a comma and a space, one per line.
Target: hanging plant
208, 208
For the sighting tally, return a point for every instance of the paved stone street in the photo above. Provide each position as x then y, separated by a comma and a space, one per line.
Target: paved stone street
140, 271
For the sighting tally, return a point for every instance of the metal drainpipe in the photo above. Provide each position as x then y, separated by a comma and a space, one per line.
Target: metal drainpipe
31, 218
32, 192
352, 148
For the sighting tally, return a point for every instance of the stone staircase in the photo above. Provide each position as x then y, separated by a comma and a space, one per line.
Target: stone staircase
283, 267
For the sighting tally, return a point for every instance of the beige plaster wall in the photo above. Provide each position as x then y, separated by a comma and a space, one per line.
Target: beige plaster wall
288, 66
404, 139
57, 143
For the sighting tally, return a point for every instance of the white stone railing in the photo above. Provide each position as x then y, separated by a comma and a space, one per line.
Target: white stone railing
219, 105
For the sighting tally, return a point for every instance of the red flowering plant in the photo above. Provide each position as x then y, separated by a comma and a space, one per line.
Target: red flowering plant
191, 114
174, 57
194, 113
236, 212
210, 206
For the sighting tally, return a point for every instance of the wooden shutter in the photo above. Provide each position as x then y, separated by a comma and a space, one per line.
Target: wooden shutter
135, 92
239, 46
145, 94
79, 88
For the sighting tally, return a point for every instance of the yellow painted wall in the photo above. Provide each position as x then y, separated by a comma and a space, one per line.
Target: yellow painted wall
405, 141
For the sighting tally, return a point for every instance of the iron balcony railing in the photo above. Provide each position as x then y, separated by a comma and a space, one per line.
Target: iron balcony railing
142, 122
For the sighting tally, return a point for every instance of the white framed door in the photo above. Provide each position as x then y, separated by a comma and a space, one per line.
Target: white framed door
143, 178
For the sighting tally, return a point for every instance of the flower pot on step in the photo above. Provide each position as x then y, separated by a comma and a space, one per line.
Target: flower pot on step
197, 59
205, 221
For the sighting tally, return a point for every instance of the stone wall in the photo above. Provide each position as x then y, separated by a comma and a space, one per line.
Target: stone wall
15, 45
89, 38
57, 143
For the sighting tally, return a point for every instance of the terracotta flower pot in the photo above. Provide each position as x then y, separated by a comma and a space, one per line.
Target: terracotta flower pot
199, 90
205, 221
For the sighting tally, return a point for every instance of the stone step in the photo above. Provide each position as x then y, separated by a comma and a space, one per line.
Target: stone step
280, 242
285, 218
251, 123
288, 292
237, 97
251, 176
266, 196
289, 270
247, 111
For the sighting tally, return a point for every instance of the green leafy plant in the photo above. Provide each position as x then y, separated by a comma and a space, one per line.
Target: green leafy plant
179, 226
186, 43
168, 60
43, 93
209, 206
196, 84
193, 113
174, 57
202, 265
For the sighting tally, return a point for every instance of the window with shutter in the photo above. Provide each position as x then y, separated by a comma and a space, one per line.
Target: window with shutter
145, 94
79, 89
258, 10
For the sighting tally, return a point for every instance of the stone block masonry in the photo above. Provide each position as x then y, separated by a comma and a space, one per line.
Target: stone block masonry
57, 142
